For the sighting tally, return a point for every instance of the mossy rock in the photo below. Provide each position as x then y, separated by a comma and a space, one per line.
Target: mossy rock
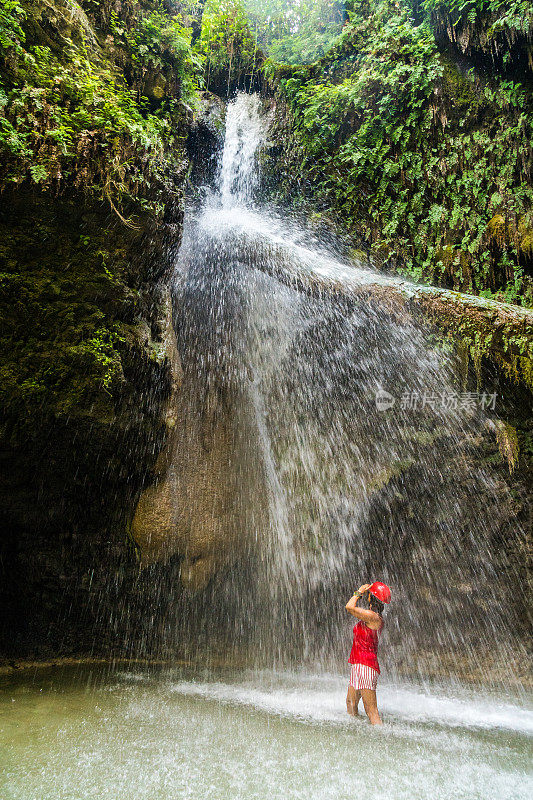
497, 230
525, 233
84, 383
459, 89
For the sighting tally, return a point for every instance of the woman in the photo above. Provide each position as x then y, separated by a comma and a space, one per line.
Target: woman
363, 658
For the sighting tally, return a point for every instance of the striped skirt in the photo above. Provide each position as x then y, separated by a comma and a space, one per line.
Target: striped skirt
363, 677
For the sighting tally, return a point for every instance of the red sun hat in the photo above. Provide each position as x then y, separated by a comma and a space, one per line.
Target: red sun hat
381, 591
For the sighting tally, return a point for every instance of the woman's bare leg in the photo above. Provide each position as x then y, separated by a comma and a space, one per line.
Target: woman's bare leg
352, 701
371, 706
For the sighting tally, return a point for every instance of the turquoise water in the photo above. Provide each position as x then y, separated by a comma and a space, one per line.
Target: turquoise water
76, 734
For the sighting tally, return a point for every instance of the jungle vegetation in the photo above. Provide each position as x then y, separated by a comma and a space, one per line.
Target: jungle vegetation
423, 153
409, 121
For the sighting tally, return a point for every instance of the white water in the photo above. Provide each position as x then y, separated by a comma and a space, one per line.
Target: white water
75, 735
341, 489
245, 133
320, 698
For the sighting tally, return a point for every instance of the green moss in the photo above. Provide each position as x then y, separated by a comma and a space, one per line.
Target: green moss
525, 235
60, 349
384, 476
497, 230
509, 346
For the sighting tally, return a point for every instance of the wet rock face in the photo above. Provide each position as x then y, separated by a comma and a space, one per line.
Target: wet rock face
191, 511
85, 381
203, 506
211, 114
206, 138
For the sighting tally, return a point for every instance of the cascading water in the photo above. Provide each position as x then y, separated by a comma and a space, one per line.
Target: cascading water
245, 133
328, 489
290, 486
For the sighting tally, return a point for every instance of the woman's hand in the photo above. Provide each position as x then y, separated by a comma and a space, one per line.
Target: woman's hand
370, 618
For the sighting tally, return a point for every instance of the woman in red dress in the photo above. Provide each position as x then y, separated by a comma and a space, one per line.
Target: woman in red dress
363, 657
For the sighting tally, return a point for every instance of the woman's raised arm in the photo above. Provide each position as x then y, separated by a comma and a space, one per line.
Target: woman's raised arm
369, 617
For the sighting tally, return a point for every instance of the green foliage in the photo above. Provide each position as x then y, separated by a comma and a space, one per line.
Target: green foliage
158, 40
416, 172
12, 15
290, 31
102, 354
511, 15
499, 30
296, 31
227, 42
67, 115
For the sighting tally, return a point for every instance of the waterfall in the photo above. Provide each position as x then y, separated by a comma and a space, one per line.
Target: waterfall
245, 133
299, 468
305, 465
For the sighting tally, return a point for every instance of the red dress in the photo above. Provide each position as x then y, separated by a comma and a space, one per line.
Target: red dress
365, 646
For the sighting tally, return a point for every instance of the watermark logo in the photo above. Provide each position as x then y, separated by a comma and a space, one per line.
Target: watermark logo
384, 400
444, 401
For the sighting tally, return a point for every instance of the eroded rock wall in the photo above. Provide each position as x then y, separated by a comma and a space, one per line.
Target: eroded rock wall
86, 373
92, 164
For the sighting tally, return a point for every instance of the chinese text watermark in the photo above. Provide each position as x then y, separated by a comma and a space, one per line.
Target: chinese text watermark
446, 401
